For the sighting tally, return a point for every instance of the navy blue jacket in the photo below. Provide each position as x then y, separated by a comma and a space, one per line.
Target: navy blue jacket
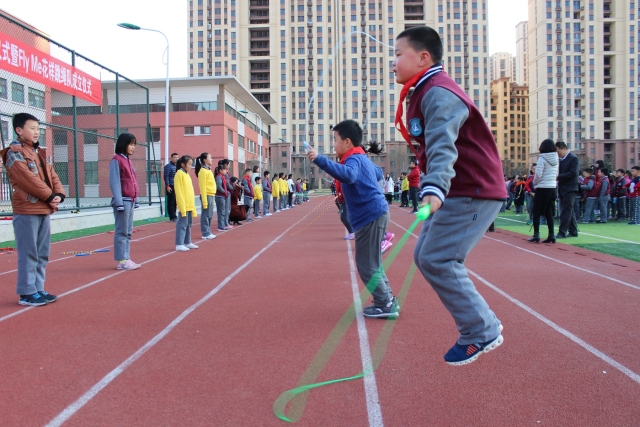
169, 173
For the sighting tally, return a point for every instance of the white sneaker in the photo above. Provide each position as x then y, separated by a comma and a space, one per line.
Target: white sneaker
258, 217
209, 237
181, 248
191, 246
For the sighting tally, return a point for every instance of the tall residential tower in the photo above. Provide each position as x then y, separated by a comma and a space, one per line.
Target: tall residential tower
583, 77
290, 54
521, 75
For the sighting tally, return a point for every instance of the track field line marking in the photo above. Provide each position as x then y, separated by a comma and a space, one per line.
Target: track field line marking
15, 313
581, 232
70, 410
566, 264
591, 349
101, 247
374, 411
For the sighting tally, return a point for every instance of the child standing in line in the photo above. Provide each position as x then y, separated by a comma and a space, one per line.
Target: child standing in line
453, 138
367, 210
207, 184
247, 189
298, 192
284, 192
634, 196
257, 196
305, 190
275, 185
186, 201
124, 187
267, 190
604, 195
591, 191
37, 192
221, 198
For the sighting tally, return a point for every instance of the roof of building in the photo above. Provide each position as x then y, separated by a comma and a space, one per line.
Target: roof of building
231, 83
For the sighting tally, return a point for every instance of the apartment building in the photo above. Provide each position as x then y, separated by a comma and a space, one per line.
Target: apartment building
521, 72
314, 63
501, 65
510, 124
583, 77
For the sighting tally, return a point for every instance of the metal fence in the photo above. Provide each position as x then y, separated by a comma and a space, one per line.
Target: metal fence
79, 135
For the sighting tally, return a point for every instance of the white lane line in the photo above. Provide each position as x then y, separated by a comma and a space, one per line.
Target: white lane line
600, 355
70, 410
591, 349
566, 264
374, 411
101, 247
581, 232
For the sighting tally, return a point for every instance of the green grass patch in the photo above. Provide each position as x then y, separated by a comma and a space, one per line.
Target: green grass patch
595, 237
58, 237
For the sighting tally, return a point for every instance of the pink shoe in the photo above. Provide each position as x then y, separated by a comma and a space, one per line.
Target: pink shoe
389, 236
127, 265
228, 227
385, 245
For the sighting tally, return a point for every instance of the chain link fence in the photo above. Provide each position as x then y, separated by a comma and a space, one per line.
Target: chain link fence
79, 134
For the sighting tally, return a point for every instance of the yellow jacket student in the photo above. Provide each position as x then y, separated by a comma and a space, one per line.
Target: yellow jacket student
257, 192
185, 196
275, 188
284, 187
207, 184
405, 184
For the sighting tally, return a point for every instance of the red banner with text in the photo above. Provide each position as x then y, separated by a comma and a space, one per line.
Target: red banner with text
27, 61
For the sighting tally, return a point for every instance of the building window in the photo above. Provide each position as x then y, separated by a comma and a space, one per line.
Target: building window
91, 138
17, 92
3, 88
155, 134
36, 98
240, 141
62, 170
59, 137
205, 130
90, 173
190, 130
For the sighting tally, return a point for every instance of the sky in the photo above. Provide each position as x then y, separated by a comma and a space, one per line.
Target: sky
93, 32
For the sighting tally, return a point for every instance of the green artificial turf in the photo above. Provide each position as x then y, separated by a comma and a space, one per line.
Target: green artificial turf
595, 237
85, 232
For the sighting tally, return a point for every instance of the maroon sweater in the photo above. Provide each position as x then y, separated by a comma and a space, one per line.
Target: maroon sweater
478, 169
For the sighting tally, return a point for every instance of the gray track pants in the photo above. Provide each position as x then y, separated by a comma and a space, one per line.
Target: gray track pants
33, 241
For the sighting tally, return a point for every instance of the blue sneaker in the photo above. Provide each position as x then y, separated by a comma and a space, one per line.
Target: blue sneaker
48, 296
464, 354
33, 300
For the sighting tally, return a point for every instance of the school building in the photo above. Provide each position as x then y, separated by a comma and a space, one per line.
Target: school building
217, 115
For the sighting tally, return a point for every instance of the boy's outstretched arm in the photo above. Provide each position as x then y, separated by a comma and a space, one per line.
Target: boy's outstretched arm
346, 173
444, 114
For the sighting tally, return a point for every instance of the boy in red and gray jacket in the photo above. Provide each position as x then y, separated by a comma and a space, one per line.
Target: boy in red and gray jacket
414, 185
462, 183
37, 192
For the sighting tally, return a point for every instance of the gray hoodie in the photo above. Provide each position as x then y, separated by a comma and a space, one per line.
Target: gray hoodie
546, 171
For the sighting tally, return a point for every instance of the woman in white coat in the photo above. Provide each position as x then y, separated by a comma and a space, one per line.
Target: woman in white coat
545, 183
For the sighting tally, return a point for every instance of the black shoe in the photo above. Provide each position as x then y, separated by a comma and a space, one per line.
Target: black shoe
33, 300
573, 235
48, 296
534, 239
549, 239
561, 236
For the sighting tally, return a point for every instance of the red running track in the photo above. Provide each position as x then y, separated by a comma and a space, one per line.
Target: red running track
213, 336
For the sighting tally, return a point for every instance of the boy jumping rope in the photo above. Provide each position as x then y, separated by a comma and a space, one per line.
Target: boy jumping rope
367, 210
453, 139
37, 192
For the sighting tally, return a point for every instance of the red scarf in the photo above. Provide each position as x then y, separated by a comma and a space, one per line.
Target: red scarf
400, 109
354, 150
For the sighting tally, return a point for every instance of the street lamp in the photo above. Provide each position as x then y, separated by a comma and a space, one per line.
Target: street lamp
290, 149
258, 118
167, 105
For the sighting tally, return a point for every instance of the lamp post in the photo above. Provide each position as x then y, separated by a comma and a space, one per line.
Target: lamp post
259, 134
290, 149
167, 105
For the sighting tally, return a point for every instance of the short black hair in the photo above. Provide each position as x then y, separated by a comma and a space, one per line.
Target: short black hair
20, 119
604, 171
266, 173
414, 162
258, 178
534, 164
174, 154
247, 170
588, 170
290, 176
223, 162
561, 145
547, 146
620, 170
635, 168
123, 142
350, 129
424, 38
